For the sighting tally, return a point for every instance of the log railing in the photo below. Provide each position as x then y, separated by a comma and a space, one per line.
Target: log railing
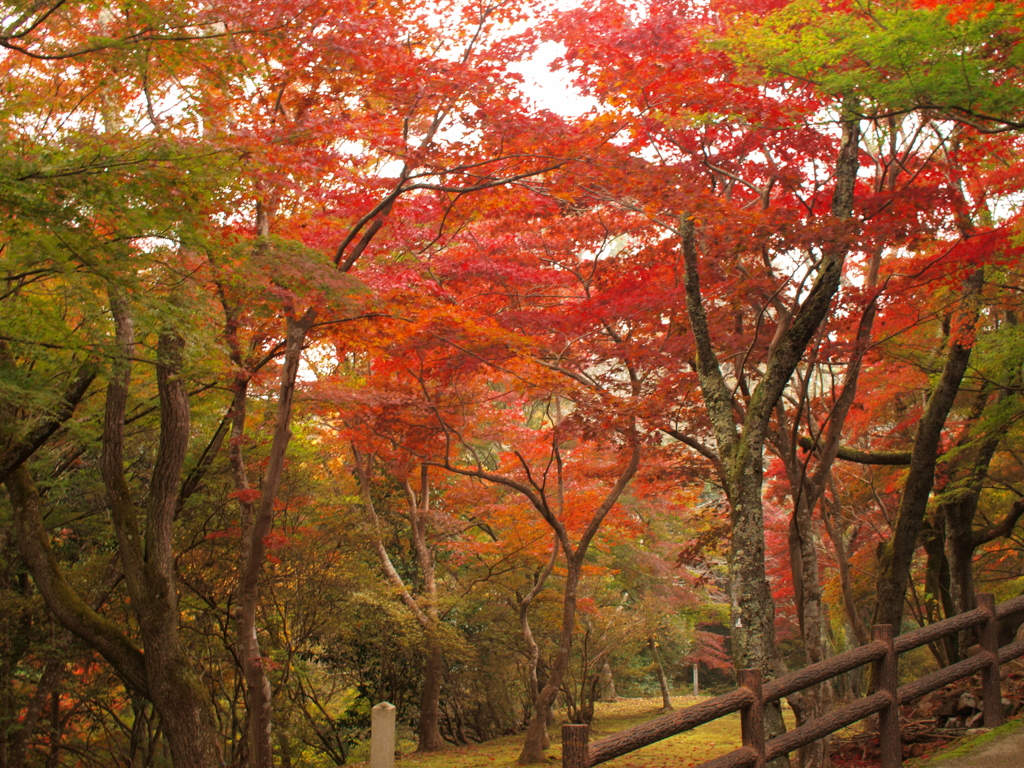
882, 653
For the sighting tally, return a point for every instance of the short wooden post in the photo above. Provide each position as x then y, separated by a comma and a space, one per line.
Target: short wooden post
696, 681
575, 746
382, 736
752, 716
886, 674
988, 640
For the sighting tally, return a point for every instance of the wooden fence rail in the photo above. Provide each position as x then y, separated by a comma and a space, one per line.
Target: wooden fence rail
882, 653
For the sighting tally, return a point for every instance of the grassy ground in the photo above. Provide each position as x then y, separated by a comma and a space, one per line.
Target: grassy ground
687, 749
968, 746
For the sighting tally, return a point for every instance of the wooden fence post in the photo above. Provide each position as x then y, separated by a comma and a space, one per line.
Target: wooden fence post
575, 746
988, 640
886, 674
752, 717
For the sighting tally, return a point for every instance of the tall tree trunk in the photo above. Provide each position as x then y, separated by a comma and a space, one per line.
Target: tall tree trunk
163, 673
741, 446
897, 554
257, 525
428, 729
147, 557
56, 729
808, 491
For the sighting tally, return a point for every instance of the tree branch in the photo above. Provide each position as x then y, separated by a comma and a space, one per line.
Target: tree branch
1001, 529
881, 458
23, 449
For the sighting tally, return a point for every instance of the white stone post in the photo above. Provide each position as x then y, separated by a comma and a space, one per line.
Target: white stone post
382, 736
696, 685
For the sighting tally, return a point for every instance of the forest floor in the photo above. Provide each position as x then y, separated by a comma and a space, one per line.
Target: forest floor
682, 751
850, 749
1002, 747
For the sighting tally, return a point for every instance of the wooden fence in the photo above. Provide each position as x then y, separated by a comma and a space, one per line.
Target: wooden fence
882, 652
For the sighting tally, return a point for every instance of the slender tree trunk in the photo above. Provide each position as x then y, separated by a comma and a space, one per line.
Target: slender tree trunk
936, 579
284, 749
56, 729
536, 730
960, 553
426, 614
666, 697
533, 682
898, 553
53, 672
428, 727
860, 630
260, 522
533, 747
536, 736
163, 674
815, 701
